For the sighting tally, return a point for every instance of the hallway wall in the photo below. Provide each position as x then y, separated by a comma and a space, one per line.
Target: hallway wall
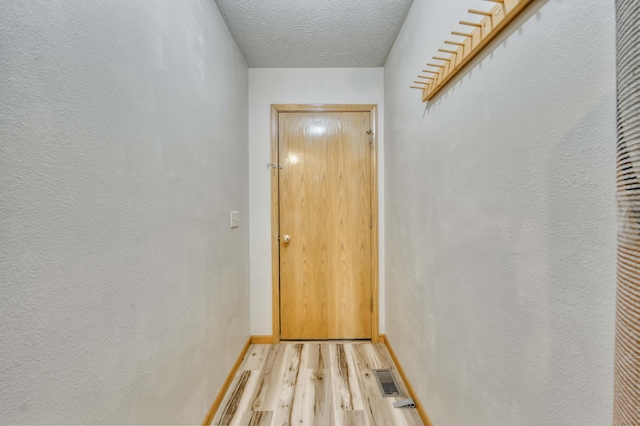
500, 217
299, 86
123, 147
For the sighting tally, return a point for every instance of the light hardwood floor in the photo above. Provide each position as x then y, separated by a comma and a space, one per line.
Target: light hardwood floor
312, 384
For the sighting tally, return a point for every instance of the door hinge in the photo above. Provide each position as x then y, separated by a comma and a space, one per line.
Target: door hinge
370, 133
370, 221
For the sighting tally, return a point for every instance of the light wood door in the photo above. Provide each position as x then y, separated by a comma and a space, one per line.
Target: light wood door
325, 214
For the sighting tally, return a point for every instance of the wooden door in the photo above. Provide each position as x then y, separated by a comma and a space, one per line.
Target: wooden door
325, 225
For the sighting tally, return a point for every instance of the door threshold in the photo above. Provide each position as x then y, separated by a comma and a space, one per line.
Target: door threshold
327, 341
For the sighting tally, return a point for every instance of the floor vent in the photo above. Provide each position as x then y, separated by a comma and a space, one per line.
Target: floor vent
387, 383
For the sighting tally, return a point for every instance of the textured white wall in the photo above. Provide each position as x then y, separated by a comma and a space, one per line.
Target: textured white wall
123, 147
298, 86
500, 210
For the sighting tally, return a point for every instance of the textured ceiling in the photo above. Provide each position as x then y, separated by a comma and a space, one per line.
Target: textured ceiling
314, 33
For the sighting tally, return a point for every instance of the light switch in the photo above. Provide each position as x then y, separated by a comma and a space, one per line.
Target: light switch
235, 220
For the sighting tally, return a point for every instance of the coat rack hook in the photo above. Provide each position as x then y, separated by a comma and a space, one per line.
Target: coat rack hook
491, 24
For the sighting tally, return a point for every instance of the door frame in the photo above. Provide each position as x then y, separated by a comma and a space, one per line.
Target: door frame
276, 109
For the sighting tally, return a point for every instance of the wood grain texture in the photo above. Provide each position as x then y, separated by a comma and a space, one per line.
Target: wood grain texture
375, 312
230, 408
301, 383
270, 381
256, 357
256, 418
225, 386
346, 392
317, 407
284, 411
325, 206
276, 110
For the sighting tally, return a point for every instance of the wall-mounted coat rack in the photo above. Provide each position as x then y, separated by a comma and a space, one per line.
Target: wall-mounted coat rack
460, 52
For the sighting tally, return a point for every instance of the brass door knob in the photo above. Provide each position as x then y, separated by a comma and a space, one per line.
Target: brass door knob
286, 239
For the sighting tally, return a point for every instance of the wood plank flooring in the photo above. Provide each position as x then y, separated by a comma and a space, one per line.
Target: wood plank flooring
313, 383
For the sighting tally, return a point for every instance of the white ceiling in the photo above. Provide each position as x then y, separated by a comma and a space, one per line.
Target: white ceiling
314, 33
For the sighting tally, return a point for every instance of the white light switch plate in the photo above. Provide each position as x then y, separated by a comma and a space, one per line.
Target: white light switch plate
235, 220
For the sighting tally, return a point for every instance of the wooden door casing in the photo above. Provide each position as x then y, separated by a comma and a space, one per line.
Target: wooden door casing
276, 110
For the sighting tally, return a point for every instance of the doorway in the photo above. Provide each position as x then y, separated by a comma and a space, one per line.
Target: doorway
324, 222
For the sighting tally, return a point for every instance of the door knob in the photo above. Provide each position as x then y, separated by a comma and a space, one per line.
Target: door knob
286, 239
